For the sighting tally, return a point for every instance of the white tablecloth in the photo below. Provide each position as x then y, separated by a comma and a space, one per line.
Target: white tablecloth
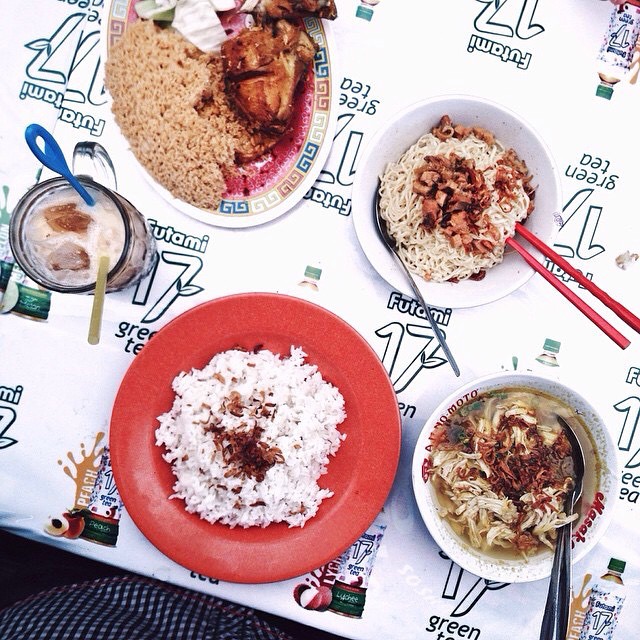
57, 391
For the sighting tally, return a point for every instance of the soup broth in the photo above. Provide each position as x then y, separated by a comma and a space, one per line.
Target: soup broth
500, 466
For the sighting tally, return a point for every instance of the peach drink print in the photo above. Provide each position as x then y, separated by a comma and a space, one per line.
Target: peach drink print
83, 472
578, 609
87, 518
102, 515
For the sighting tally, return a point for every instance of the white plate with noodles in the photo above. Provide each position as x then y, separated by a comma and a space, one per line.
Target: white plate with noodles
493, 509
396, 152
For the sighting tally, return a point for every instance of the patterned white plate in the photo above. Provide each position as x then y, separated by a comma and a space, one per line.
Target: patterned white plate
270, 186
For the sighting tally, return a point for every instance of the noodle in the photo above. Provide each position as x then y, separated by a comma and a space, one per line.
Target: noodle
431, 253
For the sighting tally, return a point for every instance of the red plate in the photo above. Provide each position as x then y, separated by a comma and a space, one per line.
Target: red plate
360, 475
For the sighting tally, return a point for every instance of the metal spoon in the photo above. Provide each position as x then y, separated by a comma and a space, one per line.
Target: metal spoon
390, 243
556, 613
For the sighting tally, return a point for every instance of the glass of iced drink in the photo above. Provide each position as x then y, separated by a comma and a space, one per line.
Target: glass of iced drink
57, 239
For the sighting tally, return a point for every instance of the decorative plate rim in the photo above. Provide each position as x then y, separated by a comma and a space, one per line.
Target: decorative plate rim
303, 170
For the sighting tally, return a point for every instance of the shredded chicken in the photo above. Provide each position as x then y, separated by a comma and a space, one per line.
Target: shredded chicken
506, 478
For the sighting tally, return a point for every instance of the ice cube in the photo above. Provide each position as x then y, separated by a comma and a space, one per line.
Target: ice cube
67, 217
69, 256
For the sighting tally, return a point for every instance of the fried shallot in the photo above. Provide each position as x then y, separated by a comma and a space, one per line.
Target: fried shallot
455, 195
242, 448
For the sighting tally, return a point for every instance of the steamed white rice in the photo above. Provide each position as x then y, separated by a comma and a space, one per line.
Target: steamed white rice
285, 401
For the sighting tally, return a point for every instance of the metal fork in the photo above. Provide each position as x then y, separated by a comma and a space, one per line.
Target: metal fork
390, 243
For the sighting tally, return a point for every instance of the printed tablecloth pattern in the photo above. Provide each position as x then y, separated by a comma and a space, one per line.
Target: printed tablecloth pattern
56, 391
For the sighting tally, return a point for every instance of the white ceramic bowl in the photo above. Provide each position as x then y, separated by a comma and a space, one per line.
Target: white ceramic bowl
598, 500
398, 134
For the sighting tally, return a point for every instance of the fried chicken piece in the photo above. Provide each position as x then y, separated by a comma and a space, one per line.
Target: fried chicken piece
291, 8
263, 66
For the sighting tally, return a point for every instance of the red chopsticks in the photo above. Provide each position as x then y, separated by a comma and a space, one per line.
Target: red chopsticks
621, 311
